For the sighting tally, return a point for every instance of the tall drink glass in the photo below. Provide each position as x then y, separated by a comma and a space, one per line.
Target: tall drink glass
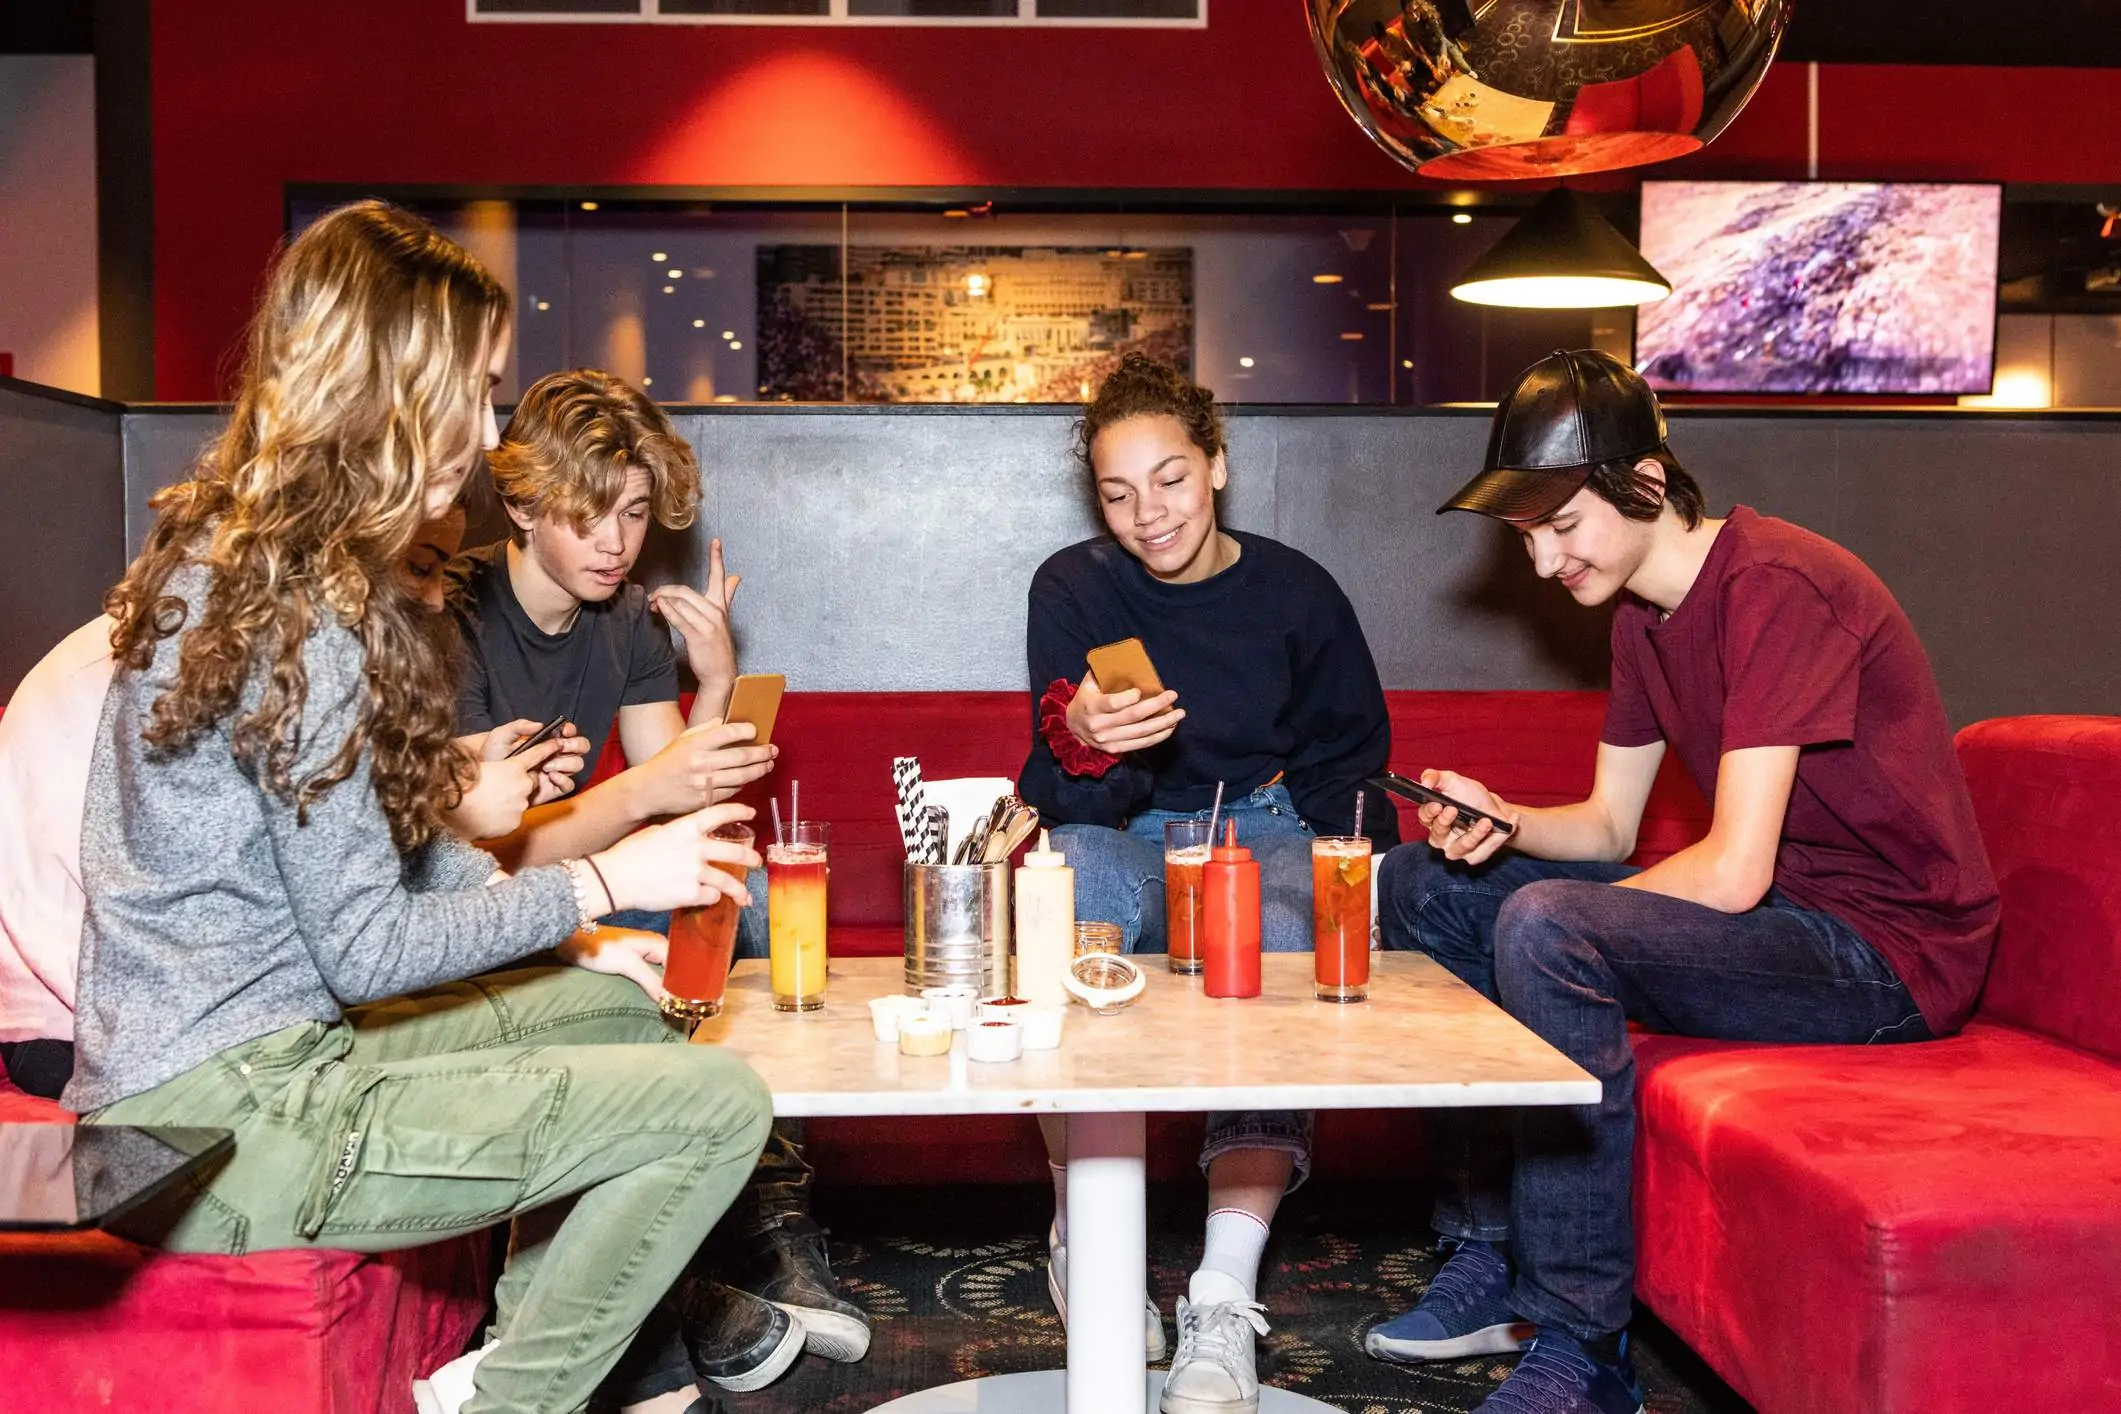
696, 969
796, 868
1185, 916
1340, 917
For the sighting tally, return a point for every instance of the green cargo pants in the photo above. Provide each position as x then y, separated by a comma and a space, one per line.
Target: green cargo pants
440, 1113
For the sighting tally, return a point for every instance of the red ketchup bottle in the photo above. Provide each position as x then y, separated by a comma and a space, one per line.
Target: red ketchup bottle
1230, 895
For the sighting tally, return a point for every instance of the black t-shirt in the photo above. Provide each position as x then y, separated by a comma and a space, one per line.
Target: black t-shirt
616, 654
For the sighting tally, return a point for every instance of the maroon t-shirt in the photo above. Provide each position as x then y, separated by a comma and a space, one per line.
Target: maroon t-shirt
1786, 639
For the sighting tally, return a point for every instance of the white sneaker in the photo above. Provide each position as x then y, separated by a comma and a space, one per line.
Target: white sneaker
1057, 1288
1215, 1369
448, 1389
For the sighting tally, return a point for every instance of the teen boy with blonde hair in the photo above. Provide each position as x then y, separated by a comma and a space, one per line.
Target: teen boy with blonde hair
555, 627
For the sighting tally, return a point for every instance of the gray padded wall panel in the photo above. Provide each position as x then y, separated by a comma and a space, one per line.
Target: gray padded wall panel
890, 549
160, 446
62, 541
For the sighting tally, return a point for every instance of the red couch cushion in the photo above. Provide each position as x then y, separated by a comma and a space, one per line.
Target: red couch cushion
90, 1322
2046, 789
1929, 1228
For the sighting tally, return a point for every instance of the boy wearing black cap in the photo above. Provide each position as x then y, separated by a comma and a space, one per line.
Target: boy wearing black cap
1842, 894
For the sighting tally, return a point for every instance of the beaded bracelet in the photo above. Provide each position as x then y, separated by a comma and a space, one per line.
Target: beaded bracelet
585, 909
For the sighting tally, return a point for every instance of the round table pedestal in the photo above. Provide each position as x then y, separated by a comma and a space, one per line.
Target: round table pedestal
1046, 1392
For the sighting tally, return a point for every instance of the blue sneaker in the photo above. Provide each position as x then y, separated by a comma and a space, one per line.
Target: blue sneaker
1466, 1311
1560, 1375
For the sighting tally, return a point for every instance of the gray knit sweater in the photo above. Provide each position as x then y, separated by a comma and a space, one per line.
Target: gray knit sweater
213, 918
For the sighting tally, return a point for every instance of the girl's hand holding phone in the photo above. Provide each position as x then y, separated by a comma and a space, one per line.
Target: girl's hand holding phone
508, 784
556, 768
1471, 844
673, 865
1119, 722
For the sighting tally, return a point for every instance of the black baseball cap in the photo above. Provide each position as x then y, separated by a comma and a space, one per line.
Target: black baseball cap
1568, 413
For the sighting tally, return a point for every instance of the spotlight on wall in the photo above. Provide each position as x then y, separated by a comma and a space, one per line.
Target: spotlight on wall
1461, 218
1245, 362
1325, 279
1562, 255
589, 206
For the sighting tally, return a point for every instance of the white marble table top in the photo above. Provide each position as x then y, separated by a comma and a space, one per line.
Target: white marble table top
1423, 1040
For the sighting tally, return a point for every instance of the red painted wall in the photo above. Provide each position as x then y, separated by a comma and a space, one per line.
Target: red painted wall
250, 95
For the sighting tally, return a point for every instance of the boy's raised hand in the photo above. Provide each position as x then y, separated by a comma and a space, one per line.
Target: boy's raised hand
702, 615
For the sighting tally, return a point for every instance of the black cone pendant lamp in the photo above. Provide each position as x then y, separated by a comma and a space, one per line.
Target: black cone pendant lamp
1562, 255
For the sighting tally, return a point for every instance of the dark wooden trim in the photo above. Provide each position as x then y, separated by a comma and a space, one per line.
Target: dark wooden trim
125, 200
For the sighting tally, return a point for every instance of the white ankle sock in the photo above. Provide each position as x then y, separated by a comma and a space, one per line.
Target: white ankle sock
1229, 1262
676, 1401
1060, 1198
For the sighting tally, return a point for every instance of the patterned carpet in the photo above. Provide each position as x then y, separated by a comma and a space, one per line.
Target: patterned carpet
956, 1284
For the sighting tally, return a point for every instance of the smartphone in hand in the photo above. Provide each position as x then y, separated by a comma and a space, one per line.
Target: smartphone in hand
1119, 666
1420, 794
544, 733
756, 699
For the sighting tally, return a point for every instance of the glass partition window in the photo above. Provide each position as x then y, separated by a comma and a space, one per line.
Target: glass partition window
747, 302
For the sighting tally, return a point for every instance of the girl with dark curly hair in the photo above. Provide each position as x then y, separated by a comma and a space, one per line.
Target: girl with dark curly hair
1269, 691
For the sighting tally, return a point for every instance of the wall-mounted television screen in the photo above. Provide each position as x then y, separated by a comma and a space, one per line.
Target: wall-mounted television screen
1821, 287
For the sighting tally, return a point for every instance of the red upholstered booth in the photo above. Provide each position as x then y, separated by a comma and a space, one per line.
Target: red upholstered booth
91, 1322
1921, 1229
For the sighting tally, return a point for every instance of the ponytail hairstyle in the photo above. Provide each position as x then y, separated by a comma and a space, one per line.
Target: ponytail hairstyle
364, 381
1143, 387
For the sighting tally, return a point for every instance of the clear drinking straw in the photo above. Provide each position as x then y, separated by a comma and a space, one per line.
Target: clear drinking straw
773, 803
795, 803
1212, 814
1358, 812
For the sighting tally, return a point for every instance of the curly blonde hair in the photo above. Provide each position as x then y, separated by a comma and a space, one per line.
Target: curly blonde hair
573, 439
364, 380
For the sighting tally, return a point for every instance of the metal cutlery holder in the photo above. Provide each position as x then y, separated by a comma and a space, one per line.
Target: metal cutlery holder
957, 926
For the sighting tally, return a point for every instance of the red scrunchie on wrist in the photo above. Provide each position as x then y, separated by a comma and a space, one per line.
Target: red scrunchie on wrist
1076, 756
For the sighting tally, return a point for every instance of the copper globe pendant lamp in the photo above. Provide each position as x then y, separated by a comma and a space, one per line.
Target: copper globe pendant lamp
1503, 90
1562, 255
1498, 90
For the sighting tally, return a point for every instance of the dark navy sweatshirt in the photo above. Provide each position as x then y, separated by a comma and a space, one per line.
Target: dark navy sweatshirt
1268, 662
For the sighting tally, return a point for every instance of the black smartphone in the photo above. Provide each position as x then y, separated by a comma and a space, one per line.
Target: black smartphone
544, 733
1422, 795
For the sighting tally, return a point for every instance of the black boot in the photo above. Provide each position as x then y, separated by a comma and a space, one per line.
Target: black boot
736, 1340
785, 1264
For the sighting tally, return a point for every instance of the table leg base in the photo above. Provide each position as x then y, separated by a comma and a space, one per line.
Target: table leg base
1046, 1392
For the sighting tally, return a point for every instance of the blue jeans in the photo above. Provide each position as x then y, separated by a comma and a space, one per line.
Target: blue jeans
1575, 960
1119, 878
751, 931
